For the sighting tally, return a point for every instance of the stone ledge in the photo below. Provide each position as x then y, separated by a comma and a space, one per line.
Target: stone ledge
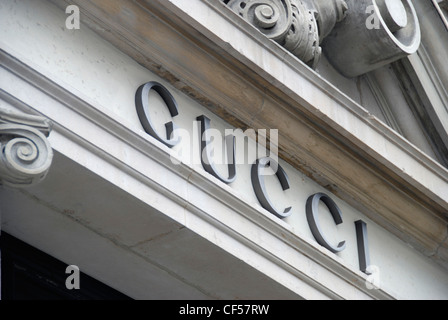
70, 114
322, 132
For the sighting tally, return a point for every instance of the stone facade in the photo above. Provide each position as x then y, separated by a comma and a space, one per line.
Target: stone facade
359, 134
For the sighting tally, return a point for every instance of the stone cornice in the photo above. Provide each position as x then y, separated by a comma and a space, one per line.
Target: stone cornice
253, 83
227, 212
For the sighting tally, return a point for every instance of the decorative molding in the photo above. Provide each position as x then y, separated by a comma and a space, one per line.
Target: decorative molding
382, 103
420, 105
423, 77
26, 154
442, 8
301, 26
378, 171
297, 25
374, 33
336, 279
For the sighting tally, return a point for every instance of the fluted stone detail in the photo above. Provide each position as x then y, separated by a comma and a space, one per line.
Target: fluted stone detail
26, 154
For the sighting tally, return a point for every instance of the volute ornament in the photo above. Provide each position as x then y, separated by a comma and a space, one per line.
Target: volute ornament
356, 36
297, 25
26, 154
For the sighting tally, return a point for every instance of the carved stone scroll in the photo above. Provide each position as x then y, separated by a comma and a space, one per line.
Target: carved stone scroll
298, 25
360, 35
26, 154
374, 33
271, 17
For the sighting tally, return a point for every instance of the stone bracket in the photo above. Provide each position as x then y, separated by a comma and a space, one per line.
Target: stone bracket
297, 25
26, 154
357, 36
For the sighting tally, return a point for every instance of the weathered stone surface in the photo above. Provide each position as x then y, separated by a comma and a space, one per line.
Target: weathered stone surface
26, 154
374, 34
298, 25
347, 155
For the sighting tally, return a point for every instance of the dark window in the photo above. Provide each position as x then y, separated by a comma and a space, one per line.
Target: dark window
30, 274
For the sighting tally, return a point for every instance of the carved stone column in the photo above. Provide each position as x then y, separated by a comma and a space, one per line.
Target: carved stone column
26, 154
